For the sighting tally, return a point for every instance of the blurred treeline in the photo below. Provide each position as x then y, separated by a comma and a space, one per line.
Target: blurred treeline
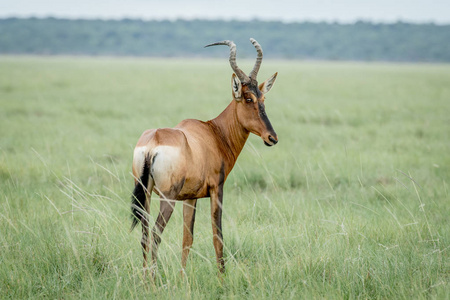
316, 41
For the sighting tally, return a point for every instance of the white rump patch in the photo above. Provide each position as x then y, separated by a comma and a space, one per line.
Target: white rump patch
165, 165
166, 160
139, 158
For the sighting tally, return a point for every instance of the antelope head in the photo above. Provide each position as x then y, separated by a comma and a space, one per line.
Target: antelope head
250, 96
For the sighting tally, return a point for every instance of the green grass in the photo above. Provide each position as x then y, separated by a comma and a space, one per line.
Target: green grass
353, 202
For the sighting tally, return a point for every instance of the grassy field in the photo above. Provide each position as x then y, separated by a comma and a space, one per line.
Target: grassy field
353, 202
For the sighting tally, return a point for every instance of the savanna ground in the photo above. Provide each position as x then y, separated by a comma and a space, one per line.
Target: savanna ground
353, 202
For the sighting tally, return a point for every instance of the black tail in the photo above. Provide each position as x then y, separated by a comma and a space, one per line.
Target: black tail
139, 195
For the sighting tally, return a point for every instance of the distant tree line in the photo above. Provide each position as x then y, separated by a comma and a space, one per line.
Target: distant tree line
181, 38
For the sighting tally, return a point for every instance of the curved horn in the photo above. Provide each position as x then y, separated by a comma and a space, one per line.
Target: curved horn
240, 74
259, 58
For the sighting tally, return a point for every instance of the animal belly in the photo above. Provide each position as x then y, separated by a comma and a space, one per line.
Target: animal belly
193, 189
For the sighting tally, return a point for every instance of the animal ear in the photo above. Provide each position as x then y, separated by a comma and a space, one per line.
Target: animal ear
267, 85
236, 87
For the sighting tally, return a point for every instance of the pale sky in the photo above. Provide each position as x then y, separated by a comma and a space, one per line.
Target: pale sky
420, 11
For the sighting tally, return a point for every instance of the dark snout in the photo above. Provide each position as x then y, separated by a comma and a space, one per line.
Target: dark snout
272, 140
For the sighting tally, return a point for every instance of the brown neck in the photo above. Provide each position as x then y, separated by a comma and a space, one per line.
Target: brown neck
230, 133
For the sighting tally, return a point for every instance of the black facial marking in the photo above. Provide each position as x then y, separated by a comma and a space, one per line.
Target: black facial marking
262, 110
255, 90
263, 116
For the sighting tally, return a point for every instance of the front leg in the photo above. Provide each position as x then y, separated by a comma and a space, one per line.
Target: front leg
216, 219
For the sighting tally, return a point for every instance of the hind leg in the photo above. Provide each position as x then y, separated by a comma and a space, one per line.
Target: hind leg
189, 208
165, 212
168, 172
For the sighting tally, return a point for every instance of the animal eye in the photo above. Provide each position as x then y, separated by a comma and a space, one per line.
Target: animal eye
249, 100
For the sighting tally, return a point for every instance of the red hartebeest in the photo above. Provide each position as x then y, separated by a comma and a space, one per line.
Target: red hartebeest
193, 159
